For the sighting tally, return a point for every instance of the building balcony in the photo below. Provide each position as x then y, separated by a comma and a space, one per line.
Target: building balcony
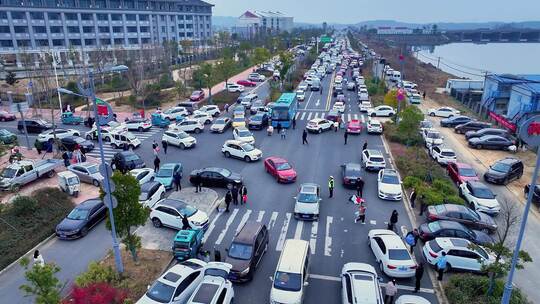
55, 22
19, 22
117, 23
57, 35
132, 35
41, 36
103, 23
72, 22
22, 35
5, 36
118, 35
4, 21
104, 35
131, 23
38, 22
145, 35
74, 35
87, 22
89, 35
144, 23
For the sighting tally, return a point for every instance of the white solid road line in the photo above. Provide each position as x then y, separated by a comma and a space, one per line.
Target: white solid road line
272, 221
243, 220
260, 217
308, 100
211, 227
328, 238
303, 115
309, 116
338, 279
283, 233
313, 237
296, 116
363, 118
348, 117
298, 231
227, 225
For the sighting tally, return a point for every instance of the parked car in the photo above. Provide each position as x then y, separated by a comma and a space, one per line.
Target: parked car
151, 193
216, 177
443, 112
203, 117
453, 121
188, 125
33, 125
166, 172
389, 185
432, 230
391, 253
246, 83
126, 160
124, 140
215, 287
374, 126
364, 106
381, 111
461, 172
411, 299
20, 173
318, 125
6, 116
212, 110
280, 169
442, 155
536, 193
461, 254
178, 138
7, 137
57, 133
239, 121
246, 251
241, 150
354, 127
425, 124
504, 171
256, 77
197, 95
360, 282
233, 87
169, 212
480, 197
87, 173
81, 219
143, 175
373, 160
487, 131
138, 124
471, 126
174, 113
221, 124
350, 173
493, 142
258, 121
461, 214
432, 137
70, 142
307, 202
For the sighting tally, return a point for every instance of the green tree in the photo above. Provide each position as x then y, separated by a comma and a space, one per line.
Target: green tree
225, 69
11, 78
42, 282
180, 89
390, 99
409, 123
205, 77
129, 213
287, 61
260, 55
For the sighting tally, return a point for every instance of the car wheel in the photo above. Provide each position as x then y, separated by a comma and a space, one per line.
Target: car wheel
247, 159
478, 147
84, 231
114, 146
95, 183
140, 129
76, 134
156, 222
227, 154
432, 114
2, 119
207, 122
373, 115
320, 131
182, 146
506, 181
162, 195
50, 174
197, 131
107, 139
88, 137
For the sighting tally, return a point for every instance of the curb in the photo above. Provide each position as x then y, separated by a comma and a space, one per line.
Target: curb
8, 267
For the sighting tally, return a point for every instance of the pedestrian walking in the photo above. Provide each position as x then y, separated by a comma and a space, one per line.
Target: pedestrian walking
418, 274
304, 138
157, 161
390, 292
178, 181
331, 186
336, 126
320, 90
294, 122
412, 198
154, 144
185, 223
65, 157
424, 95
361, 213
198, 183
243, 192
345, 136
77, 154
278, 128
39, 146
283, 133
360, 187
165, 145
412, 238
364, 147
228, 199
441, 266
217, 255
234, 193
38, 258
226, 107
393, 220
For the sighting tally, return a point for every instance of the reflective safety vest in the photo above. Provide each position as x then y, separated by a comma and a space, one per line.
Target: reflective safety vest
331, 183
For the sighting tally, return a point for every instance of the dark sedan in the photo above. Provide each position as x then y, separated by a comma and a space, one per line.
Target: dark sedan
487, 131
81, 219
429, 231
215, 177
127, 160
69, 143
350, 173
471, 126
333, 115
492, 142
461, 214
6, 116
258, 121
453, 121
536, 194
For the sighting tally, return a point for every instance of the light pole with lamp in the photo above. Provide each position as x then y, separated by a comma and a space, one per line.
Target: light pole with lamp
90, 93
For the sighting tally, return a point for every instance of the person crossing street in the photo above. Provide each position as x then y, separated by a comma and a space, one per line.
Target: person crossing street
360, 187
304, 138
165, 145
228, 199
345, 136
331, 186
361, 213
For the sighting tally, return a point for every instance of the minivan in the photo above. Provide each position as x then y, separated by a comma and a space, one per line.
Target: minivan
315, 84
189, 105
292, 271
247, 100
246, 251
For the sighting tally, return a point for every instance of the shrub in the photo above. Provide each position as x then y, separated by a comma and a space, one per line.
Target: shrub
165, 81
469, 288
23, 206
97, 293
97, 273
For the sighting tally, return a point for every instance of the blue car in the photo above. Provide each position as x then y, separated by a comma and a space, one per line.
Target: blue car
166, 173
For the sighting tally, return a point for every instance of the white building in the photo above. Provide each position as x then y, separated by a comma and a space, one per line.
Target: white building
387, 30
251, 23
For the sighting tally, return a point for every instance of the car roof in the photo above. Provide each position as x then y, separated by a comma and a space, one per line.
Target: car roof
389, 172
354, 121
149, 185
463, 165
317, 119
169, 165
449, 224
89, 203
390, 238
477, 184
277, 159
355, 166
174, 203
373, 152
248, 232
449, 242
310, 188
509, 160
86, 164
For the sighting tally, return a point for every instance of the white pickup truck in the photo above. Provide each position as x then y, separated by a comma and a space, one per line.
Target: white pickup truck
23, 172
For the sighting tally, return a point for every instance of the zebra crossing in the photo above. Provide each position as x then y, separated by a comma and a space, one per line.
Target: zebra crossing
305, 115
109, 151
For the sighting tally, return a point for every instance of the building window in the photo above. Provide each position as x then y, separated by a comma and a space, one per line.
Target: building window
70, 4
42, 42
102, 17
105, 41
129, 3
142, 5
20, 29
182, 34
181, 26
58, 42
116, 17
6, 43
100, 3
133, 41
71, 16
179, 8
145, 40
4, 29
189, 17
118, 29
115, 4
85, 3
172, 28
163, 29
90, 41
131, 17
3, 15
118, 41
162, 18
88, 29
87, 17
56, 29
144, 29
18, 15
54, 16
37, 15
189, 26
23, 43
103, 29
40, 29
190, 34
73, 29
15, 2
189, 8
143, 17
132, 29
75, 41
52, 3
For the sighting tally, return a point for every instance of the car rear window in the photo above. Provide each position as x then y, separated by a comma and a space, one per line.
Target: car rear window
376, 159
205, 293
448, 154
398, 254
468, 172
434, 246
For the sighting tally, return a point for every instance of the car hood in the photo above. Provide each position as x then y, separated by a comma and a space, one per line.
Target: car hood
165, 180
474, 140
482, 238
390, 188
284, 296
310, 208
199, 217
237, 264
492, 173
70, 225
484, 218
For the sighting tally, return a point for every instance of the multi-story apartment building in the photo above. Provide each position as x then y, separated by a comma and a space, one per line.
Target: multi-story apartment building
34, 26
252, 23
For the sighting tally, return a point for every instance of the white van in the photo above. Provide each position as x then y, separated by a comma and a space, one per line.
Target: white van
396, 76
124, 140
290, 278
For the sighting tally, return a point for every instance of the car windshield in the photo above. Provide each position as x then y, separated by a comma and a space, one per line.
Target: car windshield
160, 292
238, 119
481, 252
256, 118
8, 173
448, 153
165, 173
434, 135
426, 124
434, 226
501, 167
143, 196
283, 166
398, 254
352, 172
224, 172
307, 197
280, 113
376, 159
131, 157
467, 172
248, 147
220, 121
78, 214
484, 193
390, 179
92, 169
240, 251
288, 281
188, 211
4, 132
244, 133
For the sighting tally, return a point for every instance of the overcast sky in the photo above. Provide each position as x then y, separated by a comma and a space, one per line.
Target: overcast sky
420, 11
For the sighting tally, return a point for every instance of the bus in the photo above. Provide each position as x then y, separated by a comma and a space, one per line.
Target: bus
284, 110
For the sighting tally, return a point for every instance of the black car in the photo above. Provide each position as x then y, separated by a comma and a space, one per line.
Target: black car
246, 251
338, 89
216, 177
504, 171
258, 121
461, 214
487, 131
81, 219
453, 121
471, 126
69, 143
33, 125
493, 142
126, 160
350, 173
431, 230
536, 194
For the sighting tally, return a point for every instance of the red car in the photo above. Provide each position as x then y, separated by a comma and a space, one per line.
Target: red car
197, 96
246, 83
5, 116
280, 169
354, 127
460, 173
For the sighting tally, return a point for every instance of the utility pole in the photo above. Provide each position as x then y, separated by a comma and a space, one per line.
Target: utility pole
438, 62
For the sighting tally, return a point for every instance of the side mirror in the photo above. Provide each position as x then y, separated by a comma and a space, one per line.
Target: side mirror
227, 250
306, 283
271, 279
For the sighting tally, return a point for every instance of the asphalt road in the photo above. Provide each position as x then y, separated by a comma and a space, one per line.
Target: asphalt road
335, 239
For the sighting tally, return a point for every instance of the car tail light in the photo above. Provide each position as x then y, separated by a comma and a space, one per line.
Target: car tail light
433, 254
391, 267
413, 267
345, 179
432, 217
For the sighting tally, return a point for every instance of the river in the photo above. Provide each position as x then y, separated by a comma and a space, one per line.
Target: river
474, 60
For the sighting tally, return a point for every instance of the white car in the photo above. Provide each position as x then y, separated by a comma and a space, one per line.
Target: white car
303, 86
443, 112
179, 138
300, 95
373, 160
123, 139
442, 155
480, 197
381, 111
176, 285
202, 117
410, 299
244, 135
210, 109
339, 106
374, 126
241, 150
415, 99
60, 133
425, 124
307, 202
318, 125
143, 175
363, 95
364, 106
233, 87
256, 77
169, 212
151, 193
391, 253
174, 112
389, 185
138, 124
359, 281
188, 125
460, 254
221, 124
215, 287
432, 137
